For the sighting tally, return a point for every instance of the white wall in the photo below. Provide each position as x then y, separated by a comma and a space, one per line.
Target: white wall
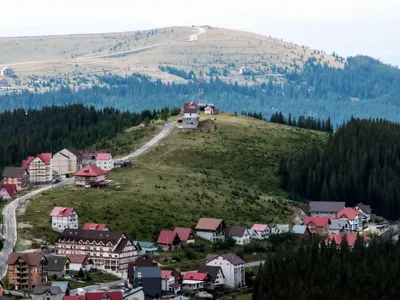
229, 270
61, 223
105, 165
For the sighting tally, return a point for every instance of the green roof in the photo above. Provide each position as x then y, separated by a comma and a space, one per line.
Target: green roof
56, 263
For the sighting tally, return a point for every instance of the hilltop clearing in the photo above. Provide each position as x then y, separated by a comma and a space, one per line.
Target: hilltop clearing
230, 173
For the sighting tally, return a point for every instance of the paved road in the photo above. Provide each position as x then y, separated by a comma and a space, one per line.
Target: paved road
10, 224
153, 142
253, 264
98, 286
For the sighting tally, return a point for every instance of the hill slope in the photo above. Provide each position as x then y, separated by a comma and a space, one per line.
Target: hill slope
230, 173
216, 51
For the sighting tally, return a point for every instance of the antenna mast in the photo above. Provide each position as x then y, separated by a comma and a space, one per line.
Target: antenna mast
201, 87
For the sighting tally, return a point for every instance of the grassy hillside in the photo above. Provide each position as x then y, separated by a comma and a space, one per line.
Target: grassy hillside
74, 58
229, 173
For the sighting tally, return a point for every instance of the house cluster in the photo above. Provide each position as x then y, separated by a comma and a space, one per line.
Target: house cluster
44, 168
191, 113
334, 221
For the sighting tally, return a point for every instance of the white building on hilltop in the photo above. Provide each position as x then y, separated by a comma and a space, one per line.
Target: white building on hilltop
191, 117
63, 218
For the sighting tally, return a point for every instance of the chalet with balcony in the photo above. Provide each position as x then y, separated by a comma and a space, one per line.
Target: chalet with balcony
26, 270
8, 191
63, 218
104, 161
317, 225
40, 168
91, 176
17, 176
211, 229
186, 235
169, 240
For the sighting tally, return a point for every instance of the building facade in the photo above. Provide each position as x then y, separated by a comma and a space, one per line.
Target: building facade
211, 229
67, 161
90, 176
232, 267
7, 71
104, 161
190, 119
39, 168
26, 271
63, 218
325, 208
17, 176
109, 250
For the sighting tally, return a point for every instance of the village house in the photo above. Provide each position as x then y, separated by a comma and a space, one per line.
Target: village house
240, 234
150, 279
7, 191
46, 292
95, 226
317, 225
109, 250
169, 282
78, 261
351, 239
7, 71
365, 210
89, 155
193, 281
17, 176
325, 208
301, 231
57, 266
104, 161
190, 117
3, 81
262, 231
279, 228
217, 277
146, 248
63, 218
232, 267
211, 229
63, 285
209, 110
67, 161
354, 216
26, 270
39, 168
91, 176
169, 240
108, 295
185, 234
338, 226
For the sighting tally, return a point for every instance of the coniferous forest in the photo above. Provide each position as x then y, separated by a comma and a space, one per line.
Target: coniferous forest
364, 88
53, 128
359, 163
363, 273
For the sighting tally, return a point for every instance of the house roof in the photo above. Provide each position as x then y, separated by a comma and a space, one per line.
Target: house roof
195, 276
75, 152
56, 263
63, 285
351, 238
317, 221
103, 156
348, 212
166, 237
60, 211
364, 207
45, 157
75, 235
14, 172
90, 171
208, 224
166, 274
326, 206
32, 259
260, 227
183, 233
299, 229
209, 108
144, 262
115, 295
186, 105
146, 244
94, 226
26, 162
238, 231
40, 289
232, 258
338, 224
10, 188
211, 270
76, 258
148, 272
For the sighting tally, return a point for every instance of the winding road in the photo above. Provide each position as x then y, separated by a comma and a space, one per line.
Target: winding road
9, 216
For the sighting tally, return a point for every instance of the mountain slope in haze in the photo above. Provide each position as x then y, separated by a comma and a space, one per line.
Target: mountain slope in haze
216, 51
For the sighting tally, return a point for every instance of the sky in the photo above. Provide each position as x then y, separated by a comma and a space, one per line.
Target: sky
348, 27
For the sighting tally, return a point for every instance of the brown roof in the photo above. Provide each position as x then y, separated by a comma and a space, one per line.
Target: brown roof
75, 152
75, 235
14, 172
211, 270
32, 259
232, 258
208, 224
238, 231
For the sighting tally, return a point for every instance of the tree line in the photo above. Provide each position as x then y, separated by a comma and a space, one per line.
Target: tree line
53, 128
317, 271
359, 163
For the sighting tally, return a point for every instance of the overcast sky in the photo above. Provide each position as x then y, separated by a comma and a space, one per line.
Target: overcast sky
349, 27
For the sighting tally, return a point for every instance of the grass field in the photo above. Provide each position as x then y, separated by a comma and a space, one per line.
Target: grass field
229, 174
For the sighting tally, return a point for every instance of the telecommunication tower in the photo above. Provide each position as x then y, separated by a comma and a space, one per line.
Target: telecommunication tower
201, 87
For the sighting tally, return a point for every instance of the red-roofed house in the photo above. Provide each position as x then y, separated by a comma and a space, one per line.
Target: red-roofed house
91, 176
351, 238
190, 115
317, 225
114, 295
185, 234
262, 231
211, 229
209, 110
354, 216
169, 240
7, 191
95, 226
17, 176
78, 261
169, 282
193, 281
39, 168
104, 161
63, 218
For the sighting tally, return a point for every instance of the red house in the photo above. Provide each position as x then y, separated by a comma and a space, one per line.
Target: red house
317, 225
185, 234
351, 238
169, 240
95, 226
92, 176
7, 191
